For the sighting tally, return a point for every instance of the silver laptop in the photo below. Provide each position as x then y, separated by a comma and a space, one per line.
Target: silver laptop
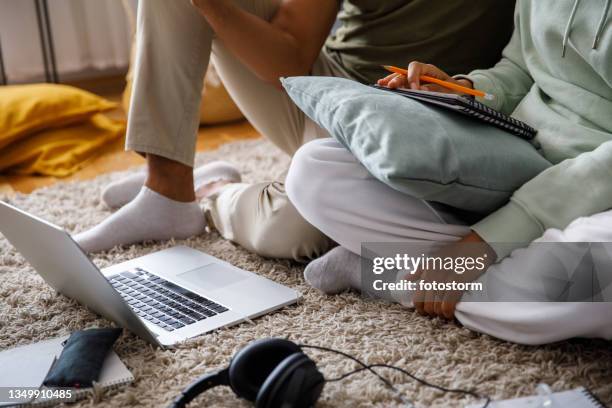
164, 297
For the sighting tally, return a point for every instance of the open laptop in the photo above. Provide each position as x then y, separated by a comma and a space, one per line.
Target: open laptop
164, 297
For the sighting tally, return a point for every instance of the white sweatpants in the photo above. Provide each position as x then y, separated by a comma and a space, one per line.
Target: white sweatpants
336, 194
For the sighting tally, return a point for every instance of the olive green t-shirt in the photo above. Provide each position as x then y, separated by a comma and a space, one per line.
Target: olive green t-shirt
456, 35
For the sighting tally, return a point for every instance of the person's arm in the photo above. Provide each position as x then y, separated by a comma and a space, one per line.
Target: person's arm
574, 188
288, 45
509, 80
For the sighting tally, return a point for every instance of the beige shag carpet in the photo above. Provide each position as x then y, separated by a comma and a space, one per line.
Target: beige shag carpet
442, 352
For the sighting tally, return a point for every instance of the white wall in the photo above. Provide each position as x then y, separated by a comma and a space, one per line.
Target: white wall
90, 37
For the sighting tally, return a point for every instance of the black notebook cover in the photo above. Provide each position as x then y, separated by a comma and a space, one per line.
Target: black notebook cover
470, 107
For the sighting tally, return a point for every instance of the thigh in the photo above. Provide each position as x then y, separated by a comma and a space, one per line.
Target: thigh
267, 108
336, 194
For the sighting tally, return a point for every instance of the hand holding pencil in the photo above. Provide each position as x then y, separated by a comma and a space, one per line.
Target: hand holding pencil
428, 77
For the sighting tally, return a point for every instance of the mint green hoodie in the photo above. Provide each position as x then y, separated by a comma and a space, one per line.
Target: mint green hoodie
556, 75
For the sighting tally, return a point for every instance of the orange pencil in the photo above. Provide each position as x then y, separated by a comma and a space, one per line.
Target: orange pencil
440, 82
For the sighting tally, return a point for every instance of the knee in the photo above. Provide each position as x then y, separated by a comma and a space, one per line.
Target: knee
287, 235
260, 218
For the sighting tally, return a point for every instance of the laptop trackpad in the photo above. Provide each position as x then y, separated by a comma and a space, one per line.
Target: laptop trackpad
212, 276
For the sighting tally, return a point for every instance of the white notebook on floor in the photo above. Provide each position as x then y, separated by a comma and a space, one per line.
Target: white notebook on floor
576, 398
27, 366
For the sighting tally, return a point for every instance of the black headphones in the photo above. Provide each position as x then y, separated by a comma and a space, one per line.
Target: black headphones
269, 372
274, 373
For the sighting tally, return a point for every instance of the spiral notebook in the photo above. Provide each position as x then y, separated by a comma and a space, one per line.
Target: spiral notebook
576, 398
27, 366
469, 106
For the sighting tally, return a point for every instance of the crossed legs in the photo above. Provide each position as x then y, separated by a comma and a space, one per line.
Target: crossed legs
352, 207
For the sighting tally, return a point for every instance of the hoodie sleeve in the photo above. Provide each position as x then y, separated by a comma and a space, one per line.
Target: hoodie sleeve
574, 188
509, 80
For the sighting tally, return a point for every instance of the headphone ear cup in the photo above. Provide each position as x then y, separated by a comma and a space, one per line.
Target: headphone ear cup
295, 382
252, 365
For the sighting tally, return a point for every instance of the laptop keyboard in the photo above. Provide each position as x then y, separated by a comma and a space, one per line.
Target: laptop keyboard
163, 303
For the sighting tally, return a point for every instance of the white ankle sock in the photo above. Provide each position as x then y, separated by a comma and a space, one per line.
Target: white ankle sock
121, 192
337, 270
340, 270
150, 216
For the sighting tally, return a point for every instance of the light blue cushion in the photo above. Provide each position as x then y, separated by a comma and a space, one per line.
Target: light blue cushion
426, 152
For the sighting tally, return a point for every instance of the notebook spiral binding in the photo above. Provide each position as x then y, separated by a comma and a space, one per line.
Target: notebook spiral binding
113, 385
593, 398
499, 119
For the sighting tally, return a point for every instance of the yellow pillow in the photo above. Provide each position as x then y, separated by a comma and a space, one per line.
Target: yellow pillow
25, 109
60, 152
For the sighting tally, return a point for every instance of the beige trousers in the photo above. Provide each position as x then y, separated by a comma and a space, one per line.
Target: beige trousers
174, 46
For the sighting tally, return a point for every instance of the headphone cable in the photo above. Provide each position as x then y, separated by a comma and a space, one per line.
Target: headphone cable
388, 383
